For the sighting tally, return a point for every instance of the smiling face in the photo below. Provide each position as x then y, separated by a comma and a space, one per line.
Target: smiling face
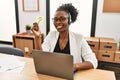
60, 21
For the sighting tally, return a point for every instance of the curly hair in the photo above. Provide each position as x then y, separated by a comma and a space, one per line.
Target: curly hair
70, 9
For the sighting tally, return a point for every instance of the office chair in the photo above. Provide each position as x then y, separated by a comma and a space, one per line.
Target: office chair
11, 50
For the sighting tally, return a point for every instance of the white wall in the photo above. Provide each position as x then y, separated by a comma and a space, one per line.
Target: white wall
107, 24
7, 20
30, 17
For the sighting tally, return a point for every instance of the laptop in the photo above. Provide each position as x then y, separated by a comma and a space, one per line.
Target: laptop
54, 64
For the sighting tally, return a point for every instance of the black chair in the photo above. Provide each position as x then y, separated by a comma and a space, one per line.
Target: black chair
11, 50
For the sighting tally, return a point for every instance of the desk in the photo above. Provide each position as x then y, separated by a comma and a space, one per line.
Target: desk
29, 73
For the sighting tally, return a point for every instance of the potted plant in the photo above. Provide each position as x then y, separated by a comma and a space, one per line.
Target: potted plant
28, 28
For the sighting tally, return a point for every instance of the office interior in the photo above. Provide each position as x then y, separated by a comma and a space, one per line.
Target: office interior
103, 24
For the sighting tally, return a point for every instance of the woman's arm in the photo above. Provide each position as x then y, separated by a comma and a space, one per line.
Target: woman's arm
83, 65
89, 58
36, 31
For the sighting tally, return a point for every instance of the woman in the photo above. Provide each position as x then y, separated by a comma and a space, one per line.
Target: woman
65, 41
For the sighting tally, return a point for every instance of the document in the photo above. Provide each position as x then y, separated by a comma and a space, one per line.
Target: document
11, 64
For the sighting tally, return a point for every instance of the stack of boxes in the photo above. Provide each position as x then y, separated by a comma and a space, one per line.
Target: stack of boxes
104, 48
117, 56
107, 49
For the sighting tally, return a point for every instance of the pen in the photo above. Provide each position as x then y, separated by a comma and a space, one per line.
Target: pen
13, 68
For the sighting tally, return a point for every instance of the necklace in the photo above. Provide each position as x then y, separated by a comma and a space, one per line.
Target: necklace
63, 41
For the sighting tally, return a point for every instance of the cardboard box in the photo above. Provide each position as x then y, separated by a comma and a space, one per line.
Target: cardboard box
93, 42
117, 56
25, 42
108, 44
104, 55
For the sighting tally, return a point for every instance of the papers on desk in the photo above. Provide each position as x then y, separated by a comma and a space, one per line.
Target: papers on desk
11, 64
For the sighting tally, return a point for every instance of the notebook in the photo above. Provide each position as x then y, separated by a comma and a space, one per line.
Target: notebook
54, 64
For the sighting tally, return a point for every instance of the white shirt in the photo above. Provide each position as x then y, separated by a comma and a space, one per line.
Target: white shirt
79, 48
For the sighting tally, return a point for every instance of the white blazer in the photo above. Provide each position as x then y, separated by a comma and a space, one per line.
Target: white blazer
79, 48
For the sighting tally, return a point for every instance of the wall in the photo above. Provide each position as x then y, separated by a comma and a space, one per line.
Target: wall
30, 17
107, 24
7, 20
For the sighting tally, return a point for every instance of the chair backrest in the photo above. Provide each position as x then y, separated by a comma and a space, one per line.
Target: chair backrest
11, 50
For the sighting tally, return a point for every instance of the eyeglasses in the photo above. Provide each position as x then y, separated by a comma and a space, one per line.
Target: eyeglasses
61, 19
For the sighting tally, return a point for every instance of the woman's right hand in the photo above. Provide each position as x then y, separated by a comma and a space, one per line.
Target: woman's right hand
35, 29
